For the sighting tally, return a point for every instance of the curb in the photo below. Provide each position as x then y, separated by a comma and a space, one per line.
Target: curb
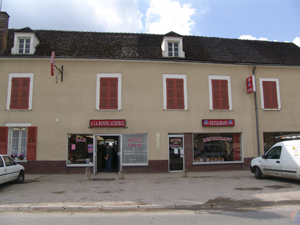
95, 207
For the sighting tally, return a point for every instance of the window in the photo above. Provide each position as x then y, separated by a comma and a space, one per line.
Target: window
274, 153
173, 49
18, 140
175, 91
270, 94
24, 45
217, 147
19, 94
80, 149
220, 93
108, 92
135, 150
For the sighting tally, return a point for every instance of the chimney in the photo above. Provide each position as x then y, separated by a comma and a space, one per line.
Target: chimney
3, 31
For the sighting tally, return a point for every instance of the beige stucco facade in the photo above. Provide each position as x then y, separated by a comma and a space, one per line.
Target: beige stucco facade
63, 108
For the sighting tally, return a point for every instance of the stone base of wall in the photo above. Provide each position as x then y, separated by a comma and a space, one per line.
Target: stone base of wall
154, 166
214, 167
44, 167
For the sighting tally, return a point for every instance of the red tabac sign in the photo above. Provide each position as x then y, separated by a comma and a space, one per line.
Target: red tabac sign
218, 123
107, 123
251, 87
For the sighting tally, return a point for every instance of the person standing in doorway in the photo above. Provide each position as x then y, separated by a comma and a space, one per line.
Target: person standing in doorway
108, 156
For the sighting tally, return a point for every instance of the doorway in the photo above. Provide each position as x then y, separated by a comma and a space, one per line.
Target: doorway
100, 162
176, 153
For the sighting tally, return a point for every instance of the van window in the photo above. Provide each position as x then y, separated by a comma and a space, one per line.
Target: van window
274, 153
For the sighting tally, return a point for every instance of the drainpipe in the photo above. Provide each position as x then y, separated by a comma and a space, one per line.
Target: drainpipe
256, 114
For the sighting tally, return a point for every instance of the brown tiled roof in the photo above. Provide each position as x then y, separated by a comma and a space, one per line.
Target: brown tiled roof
73, 44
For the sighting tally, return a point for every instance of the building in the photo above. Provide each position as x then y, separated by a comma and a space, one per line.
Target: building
163, 102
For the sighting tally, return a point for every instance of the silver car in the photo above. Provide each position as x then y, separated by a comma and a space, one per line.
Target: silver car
10, 170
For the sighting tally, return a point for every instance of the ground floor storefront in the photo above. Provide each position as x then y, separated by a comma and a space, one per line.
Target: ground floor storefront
132, 153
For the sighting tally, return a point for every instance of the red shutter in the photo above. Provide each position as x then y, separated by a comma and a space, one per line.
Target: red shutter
20, 93
270, 95
220, 94
175, 94
3, 140
113, 93
108, 93
31, 143
170, 94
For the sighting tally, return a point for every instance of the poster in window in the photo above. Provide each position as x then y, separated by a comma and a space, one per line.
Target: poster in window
135, 149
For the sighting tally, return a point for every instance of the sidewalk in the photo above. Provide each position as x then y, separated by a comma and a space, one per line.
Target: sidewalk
105, 191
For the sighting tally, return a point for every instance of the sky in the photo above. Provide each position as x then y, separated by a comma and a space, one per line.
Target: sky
270, 20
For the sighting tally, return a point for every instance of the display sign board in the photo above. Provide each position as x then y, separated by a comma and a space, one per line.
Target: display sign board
135, 149
107, 123
251, 87
52, 63
218, 123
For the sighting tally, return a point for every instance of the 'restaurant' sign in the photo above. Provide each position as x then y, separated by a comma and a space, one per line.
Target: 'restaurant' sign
218, 123
251, 87
107, 123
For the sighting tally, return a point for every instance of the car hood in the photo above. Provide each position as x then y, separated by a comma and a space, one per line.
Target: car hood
256, 160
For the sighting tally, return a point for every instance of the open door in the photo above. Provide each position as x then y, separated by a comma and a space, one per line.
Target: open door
99, 145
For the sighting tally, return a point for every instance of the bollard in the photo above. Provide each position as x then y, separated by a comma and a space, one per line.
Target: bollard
87, 173
121, 175
184, 173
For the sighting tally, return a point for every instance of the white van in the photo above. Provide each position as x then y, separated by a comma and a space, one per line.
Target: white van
281, 160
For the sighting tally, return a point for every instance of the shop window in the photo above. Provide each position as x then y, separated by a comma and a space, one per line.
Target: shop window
175, 91
19, 91
220, 93
135, 150
108, 92
270, 94
217, 147
80, 149
271, 138
18, 141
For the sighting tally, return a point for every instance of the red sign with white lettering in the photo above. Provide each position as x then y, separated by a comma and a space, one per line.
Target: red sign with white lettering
218, 123
107, 123
250, 81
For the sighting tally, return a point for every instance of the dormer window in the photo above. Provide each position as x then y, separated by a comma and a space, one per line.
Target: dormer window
173, 49
24, 45
172, 46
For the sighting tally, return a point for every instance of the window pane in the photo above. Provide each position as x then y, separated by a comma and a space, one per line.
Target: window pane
135, 149
80, 149
18, 141
217, 147
16, 133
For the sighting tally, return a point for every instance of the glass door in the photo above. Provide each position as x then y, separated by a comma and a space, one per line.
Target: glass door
176, 153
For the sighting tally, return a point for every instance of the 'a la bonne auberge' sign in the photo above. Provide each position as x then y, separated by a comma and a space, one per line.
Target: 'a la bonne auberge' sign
107, 123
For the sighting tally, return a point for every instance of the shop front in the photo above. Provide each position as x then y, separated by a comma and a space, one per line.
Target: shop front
88, 150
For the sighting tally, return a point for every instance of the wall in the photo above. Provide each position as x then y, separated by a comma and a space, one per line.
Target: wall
66, 107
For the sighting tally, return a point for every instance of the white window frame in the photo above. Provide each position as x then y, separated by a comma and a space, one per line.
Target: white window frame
218, 77
12, 126
34, 41
174, 76
262, 92
164, 46
19, 75
108, 75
